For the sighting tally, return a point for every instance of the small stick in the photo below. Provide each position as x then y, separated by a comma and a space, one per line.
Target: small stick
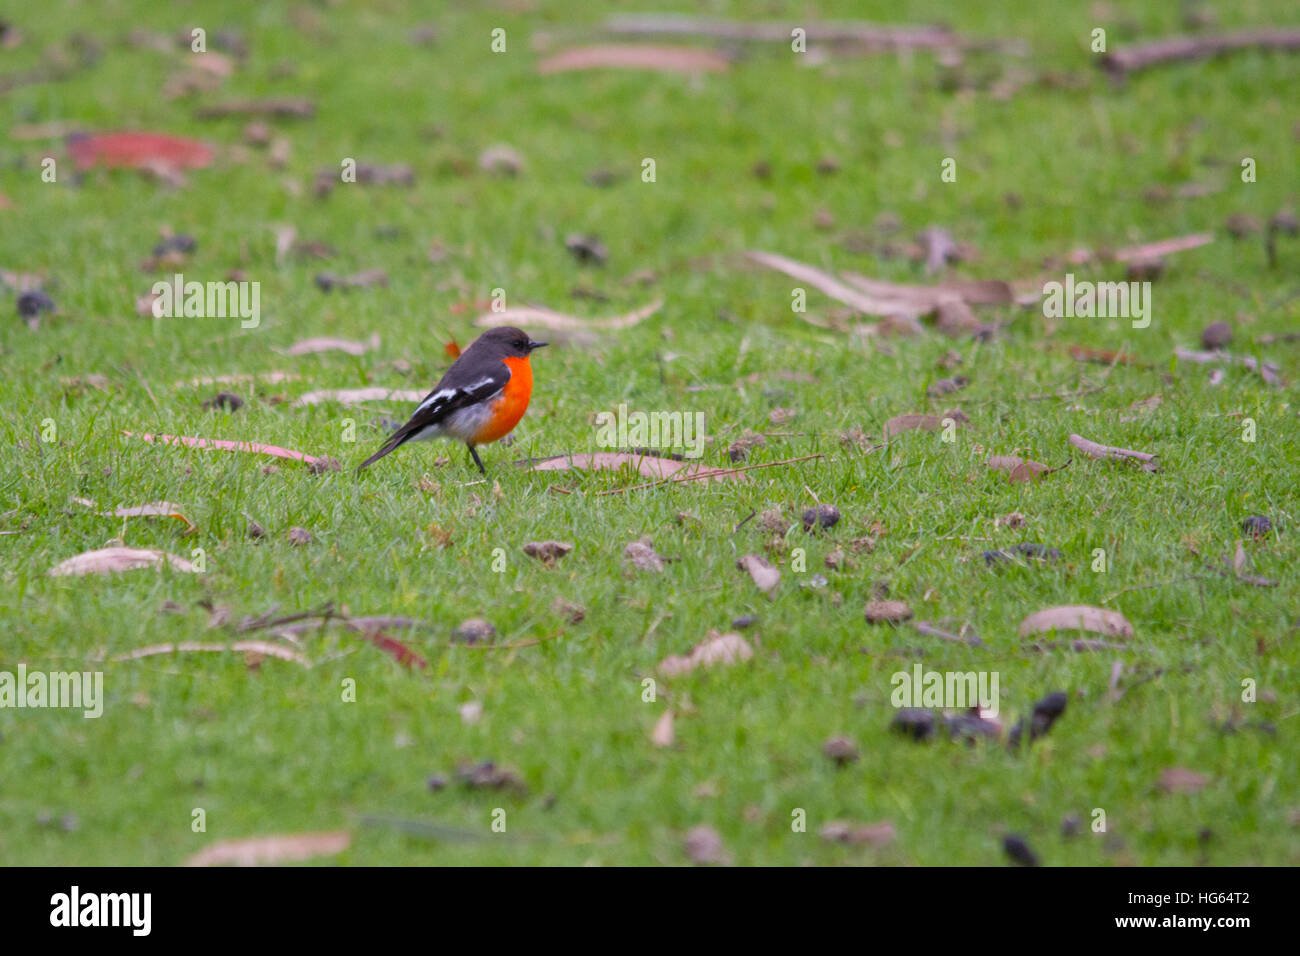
708, 474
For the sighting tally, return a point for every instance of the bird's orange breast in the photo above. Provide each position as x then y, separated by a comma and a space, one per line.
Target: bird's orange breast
511, 405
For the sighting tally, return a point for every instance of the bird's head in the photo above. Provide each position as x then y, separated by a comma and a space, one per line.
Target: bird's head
511, 341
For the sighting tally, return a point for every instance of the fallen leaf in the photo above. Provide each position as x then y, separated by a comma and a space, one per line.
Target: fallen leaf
137, 151
917, 422
1147, 251
117, 559
354, 396
270, 378
647, 465
1182, 780
842, 750
548, 552
704, 845
488, 776
473, 630
907, 309
970, 291
538, 317
1021, 469
263, 648
714, 649
328, 281
278, 107
1268, 371
314, 463
886, 612
643, 556
312, 346
588, 250
1077, 617
163, 509
875, 834
1093, 450
394, 648
939, 248
501, 159
259, 851
764, 575
635, 56
662, 734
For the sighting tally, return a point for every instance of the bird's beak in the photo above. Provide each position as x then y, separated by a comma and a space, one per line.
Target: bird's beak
536, 345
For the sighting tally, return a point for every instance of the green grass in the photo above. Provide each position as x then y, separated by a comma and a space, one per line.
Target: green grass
275, 749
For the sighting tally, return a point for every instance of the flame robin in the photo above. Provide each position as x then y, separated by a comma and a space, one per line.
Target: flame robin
480, 399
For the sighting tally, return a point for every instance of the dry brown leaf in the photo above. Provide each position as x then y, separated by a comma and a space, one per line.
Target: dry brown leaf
1078, 617
1021, 469
843, 831
886, 612
642, 555
547, 552
1182, 780
663, 735
765, 576
903, 308
970, 291
704, 845
161, 509
259, 851
1094, 450
1148, 251
955, 319
647, 465
263, 648
352, 396
635, 56
270, 378
1268, 371
325, 344
117, 559
918, 422
314, 463
714, 649
537, 317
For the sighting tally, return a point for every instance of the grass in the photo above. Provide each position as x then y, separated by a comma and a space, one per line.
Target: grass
275, 749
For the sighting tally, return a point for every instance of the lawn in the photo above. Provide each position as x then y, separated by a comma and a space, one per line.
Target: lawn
832, 159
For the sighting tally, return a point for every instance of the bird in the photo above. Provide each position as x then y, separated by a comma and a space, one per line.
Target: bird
480, 399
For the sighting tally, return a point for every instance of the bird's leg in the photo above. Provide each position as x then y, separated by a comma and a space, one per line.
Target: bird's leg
474, 454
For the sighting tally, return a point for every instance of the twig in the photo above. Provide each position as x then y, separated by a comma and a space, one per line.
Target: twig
707, 474
1119, 63
930, 630
1095, 450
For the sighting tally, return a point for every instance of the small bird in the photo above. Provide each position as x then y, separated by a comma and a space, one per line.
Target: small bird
480, 399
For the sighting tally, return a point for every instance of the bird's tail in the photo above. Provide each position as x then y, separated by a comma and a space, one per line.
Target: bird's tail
395, 441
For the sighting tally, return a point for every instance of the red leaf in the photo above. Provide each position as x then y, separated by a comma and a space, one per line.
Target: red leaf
137, 151
399, 651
